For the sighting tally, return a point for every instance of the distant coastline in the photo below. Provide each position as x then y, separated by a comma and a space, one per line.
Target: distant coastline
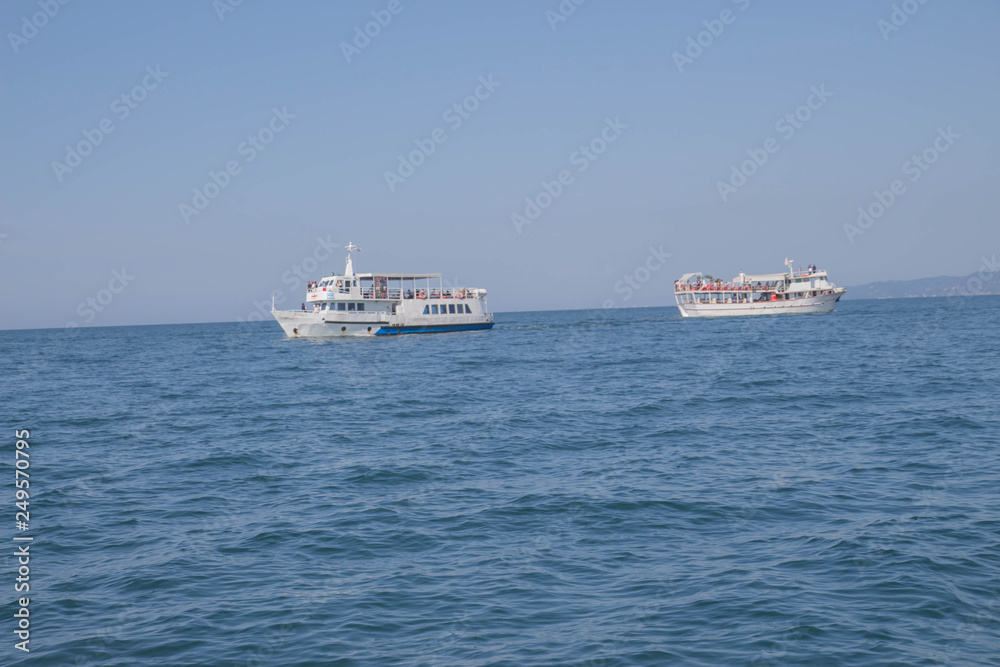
984, 282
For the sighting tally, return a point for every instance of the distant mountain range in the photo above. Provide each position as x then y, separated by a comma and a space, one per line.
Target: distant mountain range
985, 282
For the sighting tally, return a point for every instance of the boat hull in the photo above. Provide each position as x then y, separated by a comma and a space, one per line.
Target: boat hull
316, 325
823, 303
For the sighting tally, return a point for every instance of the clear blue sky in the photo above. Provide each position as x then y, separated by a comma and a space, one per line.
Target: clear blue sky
323, 175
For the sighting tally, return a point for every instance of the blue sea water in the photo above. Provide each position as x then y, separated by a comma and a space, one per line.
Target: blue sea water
570, 488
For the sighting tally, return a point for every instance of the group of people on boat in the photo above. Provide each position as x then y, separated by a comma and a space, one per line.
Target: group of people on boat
720, 286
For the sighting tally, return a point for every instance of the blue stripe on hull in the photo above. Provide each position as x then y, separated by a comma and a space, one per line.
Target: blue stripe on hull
386, 331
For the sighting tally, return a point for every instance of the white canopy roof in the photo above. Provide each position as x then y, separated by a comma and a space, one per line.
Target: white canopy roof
761, 277
398, 276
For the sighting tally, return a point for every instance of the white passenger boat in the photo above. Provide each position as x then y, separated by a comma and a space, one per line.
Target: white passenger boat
809, 291
362, 304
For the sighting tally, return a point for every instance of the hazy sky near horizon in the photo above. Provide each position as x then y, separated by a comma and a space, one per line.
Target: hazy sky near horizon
831, 104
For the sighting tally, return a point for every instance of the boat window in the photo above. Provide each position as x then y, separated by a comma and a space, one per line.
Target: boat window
323, 307
434, 310
350, 306
467, 309
451, 308
341, 306
361, 306
427, 309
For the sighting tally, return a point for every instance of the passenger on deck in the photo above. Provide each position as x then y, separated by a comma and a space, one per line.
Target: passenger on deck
303, 306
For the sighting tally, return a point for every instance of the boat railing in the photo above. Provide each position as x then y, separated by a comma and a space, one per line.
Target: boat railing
328, 290
382, 293
728, 288
451, 293
396, 293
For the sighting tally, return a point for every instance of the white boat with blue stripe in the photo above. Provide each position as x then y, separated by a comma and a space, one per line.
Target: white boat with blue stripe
380, 304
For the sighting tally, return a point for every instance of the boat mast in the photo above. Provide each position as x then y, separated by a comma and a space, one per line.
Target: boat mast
349, 269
